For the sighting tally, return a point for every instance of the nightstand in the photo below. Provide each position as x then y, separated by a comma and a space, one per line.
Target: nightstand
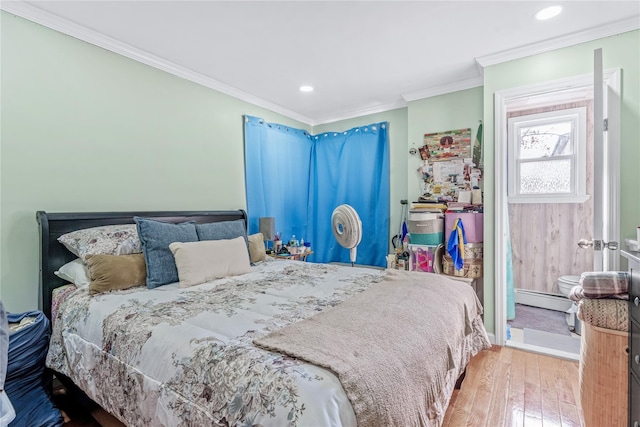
295, 257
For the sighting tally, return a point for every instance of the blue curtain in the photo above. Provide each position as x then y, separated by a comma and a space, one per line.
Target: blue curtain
324, 171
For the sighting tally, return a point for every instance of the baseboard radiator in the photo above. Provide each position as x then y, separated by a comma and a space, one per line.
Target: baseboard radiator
542, 300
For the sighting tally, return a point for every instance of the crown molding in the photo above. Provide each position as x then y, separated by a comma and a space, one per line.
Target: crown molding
618, 27
444, 89
72, 29
361, 112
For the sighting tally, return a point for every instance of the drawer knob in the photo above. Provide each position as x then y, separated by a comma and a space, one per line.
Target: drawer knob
636, 301
637, 359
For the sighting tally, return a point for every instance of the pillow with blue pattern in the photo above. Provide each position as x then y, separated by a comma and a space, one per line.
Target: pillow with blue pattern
156, 236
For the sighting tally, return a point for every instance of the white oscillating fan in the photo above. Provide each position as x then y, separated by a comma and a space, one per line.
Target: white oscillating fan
347, 229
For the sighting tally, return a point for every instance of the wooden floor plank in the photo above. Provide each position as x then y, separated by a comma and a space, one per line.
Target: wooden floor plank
464, 401
484, 389
550, 368
515, 403
500, 392
532, 398
452, 403
571, 370
526, 389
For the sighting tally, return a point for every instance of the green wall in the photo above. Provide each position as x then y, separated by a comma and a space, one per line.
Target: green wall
397, 156
85, 129
620, 51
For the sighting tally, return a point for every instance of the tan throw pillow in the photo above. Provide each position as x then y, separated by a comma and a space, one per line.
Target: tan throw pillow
111, 272
206, 260
256, 247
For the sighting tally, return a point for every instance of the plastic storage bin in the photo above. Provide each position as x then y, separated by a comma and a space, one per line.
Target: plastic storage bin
471, 221
421, 258
427, 231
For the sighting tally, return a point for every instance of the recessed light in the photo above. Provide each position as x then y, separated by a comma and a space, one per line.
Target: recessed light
306, 88
549, 12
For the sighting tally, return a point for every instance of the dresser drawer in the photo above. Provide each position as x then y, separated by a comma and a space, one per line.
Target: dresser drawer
634, 295
634, 350
634, 401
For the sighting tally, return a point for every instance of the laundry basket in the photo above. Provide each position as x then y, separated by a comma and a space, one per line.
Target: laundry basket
604, 371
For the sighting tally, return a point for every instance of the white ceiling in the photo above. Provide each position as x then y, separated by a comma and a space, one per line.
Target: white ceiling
360, 56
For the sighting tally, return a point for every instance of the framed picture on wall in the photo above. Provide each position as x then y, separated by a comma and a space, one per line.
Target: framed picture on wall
448, 145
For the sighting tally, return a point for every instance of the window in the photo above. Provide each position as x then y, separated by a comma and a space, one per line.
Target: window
547, 157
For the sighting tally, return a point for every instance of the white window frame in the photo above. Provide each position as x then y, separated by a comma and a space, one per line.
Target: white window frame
578, 158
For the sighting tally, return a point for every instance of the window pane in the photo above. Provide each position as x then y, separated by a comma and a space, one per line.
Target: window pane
546, 140
551, 176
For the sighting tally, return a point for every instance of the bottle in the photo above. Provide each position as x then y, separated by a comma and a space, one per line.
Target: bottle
292, 242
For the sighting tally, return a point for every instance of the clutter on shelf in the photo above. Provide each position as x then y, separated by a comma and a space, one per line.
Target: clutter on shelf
442, 232
440, 237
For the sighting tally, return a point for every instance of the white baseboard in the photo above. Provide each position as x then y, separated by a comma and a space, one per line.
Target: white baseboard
542, 300
492, 338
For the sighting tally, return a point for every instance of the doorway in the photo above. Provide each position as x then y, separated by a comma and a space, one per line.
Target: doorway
532, 100
550, 208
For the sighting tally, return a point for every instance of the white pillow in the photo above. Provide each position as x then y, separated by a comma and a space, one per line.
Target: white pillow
75, 272
206, 260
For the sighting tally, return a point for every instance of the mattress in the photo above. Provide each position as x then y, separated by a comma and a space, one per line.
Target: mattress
171, 356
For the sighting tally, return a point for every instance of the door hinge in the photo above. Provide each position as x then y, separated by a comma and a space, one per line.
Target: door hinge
605, 125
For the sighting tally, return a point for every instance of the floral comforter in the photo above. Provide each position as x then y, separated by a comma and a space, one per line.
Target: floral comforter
184, 357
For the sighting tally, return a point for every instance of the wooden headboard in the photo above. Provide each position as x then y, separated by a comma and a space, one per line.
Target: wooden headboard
53, 254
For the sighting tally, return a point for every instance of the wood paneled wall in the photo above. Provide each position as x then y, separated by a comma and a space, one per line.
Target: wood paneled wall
544, 237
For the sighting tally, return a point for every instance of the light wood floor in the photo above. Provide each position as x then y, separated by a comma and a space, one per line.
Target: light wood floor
509, 387
504, 387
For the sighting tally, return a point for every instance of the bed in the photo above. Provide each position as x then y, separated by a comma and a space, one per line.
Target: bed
284, 343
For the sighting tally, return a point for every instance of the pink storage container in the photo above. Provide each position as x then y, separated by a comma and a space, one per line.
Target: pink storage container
421, 258
471, 221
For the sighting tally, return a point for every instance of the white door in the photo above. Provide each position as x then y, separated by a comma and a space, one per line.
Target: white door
606, 167
606, 229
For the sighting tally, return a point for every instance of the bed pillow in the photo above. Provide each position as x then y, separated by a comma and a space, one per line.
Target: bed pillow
200, 262
75, 272
156, 237
256, 247
221, 230
121, 239
112, 272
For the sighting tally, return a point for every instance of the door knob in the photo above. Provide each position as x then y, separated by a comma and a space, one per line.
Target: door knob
584, 243
636, 301
598, 245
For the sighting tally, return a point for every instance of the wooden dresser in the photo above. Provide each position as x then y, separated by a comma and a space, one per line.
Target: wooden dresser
634, 337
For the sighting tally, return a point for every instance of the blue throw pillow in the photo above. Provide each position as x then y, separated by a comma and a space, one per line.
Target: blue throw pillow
223, 230
156, 236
